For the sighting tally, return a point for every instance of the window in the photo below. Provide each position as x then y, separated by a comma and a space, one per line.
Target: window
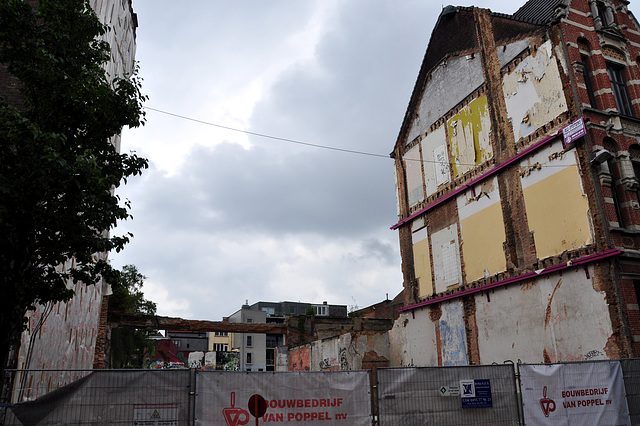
221, 334
269, 310
586, 73
614, 195
220, 347
620, 90
177, 343
248, 357
249, 341
606, 17
321, 310
249, 320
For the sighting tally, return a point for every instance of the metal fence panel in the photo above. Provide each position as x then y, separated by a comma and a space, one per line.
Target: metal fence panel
420, 396
111, 397
309, 398
631, 375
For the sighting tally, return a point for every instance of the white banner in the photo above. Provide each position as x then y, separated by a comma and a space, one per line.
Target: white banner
303, 398
574, 394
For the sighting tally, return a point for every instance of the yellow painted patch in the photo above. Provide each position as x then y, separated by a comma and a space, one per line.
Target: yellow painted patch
422, 266
468, 133
558, 213
482, 239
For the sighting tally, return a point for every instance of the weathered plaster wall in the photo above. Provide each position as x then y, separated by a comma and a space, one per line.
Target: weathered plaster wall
413, 167
446, 258
436, 159
300, 358
468, 133
560, 317
482, 230
413, 340
450, 82
421, 258
508, 52
453, 337
348, 351
557, 207
533, 92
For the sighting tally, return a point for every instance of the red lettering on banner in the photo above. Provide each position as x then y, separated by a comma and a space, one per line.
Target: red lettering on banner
323, 402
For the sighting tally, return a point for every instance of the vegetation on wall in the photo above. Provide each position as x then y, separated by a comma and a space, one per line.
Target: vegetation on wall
128, 347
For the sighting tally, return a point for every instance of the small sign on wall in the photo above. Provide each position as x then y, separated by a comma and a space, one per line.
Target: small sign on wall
574, 131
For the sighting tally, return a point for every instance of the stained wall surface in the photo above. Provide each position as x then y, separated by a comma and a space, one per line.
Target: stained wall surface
559, 317
557, 207
446, 258
413, 340
450, 83
482, 230
533, 92
421, 258
348, 351
469, 136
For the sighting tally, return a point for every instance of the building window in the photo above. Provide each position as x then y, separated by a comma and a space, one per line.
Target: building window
620, 90
249, 320
614, 195
586, 73
248, 357
249, 341
606, 17
177, 343
321, 311
220, 347
222, 334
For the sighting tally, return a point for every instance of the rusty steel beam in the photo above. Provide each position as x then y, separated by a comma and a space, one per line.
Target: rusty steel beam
155, 322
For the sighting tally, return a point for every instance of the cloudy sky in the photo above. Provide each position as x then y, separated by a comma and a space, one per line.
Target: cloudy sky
223, 216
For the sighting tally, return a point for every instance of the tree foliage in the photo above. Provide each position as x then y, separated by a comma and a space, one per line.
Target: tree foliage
128, 346
58, 165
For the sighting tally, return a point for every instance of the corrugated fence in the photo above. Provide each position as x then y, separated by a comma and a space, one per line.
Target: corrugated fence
570, 393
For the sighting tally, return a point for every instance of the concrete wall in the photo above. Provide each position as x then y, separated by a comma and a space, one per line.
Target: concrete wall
349, 351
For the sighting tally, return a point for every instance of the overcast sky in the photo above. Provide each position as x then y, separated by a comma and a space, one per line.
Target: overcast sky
224, 216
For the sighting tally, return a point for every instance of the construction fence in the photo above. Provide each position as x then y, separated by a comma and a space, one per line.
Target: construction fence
599, 392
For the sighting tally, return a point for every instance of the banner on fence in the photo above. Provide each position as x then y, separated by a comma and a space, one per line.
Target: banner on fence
305, 398
574, 394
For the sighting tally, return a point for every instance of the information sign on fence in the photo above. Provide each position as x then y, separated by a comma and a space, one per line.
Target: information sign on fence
574, 394
476, 393
155, 414
305, 398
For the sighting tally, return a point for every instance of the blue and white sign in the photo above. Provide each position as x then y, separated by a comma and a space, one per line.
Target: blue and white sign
476, 393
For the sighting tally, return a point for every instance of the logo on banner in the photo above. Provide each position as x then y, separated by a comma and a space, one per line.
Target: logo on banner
235, 416
547, 405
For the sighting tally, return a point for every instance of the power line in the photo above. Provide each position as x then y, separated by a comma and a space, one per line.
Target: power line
262, 135
332, 148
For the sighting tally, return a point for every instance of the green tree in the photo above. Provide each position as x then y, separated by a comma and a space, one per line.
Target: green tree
128, 346
58, 166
